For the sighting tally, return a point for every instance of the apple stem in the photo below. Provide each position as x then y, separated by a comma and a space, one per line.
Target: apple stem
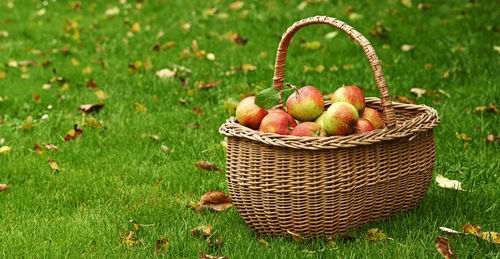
293, 87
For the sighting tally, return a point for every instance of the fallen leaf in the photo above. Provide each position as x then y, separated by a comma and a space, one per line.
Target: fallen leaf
236, 5
4, 187
264, 242
74, 62
93, 122
238, 40
217, 242
463, 136
197, 110
51, 147
205, 256
493, 108
101, 95
211, 56
87, 71
140, 108
209, 84
36, 98
157, 185
475, 230
135, 224
452, 232
53, 165
135, 66
152, 136
166, 73
313, 45
248, 67
74, 133
496, 48
90, 108
444, 182
2, 75
165, 149
207, 166
407, 47
444, 247
375, 235
161, 244
418, 92
38, 148
406, 3
92, 84
491, 138
446, 74
5, 150
128, 241
204, 230
404, 99
423, 7
216, 200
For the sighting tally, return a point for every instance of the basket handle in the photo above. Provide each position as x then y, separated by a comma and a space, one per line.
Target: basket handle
388, 114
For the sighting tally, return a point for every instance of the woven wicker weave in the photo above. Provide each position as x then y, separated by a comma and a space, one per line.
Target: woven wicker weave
324, 186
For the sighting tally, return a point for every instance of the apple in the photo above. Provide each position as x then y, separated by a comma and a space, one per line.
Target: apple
249, 114
340, 119
305, 104
308, 129
319, 120
374, 117
363, 125
277, 122
350, 94
290, 117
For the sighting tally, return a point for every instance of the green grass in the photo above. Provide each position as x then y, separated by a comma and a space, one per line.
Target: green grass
107, 176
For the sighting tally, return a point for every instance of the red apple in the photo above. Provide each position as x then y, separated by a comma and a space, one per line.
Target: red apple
308, 129
307, 105
350, 94
363, 125
290, 117
374, 117
340, 119
277, 122
249, 114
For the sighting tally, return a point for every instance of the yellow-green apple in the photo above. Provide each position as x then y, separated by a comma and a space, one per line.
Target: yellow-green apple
308, 129
319, 120
249, 114
350, 94
374, 117
290, 117
363, 125
277, 122
305, 104
340, 119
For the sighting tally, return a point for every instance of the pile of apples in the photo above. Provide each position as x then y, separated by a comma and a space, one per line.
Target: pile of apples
306, 116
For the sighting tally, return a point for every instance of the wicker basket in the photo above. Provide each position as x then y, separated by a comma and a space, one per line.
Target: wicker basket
324, 186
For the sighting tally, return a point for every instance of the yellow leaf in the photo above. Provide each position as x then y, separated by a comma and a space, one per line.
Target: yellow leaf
64, 87
375, 235
248, 67
147, 64
463, 136
406, 3
2, 74
140, 108
5, 150
496, 48
135, 224
236, 5
101, 95
475, 230
211, 56
136, 27
444, 182
128, 241
87, 70
264, 242
53, 165
75, 62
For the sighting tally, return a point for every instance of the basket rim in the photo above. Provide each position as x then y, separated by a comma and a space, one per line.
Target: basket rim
426, 119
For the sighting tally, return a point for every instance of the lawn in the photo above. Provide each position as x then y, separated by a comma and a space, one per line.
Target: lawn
58, 55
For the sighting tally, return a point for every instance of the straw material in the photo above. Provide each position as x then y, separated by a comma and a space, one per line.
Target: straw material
327, 185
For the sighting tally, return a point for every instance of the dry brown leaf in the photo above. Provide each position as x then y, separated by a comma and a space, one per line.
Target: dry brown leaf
90, 108
128, 241
492, 108
51, 147
197, 110
404, 99
36, 98
444, 247
216, 200
38, 148
238, 40
161, 244
53, 165
475, 230
212, 243
463, 136
92, 84
4, 187
74, 133
204, 230
446, 183
205, 256
209, 84
207, 166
